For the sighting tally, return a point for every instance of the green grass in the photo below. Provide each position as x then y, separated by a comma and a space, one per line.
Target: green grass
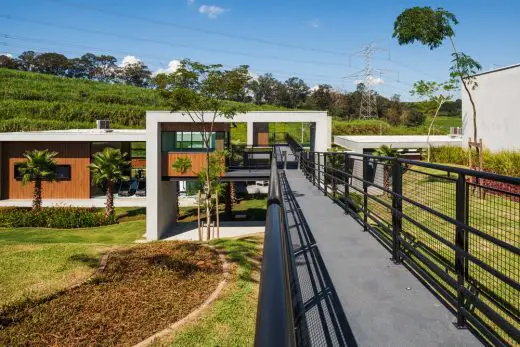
230, 321
36, 262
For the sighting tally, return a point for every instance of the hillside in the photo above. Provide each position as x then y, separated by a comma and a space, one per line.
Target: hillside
33, 101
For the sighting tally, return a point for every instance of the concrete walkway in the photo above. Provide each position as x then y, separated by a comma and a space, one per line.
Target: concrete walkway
380, 304
189, 231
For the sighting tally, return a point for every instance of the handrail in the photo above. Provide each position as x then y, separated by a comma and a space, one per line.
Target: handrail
275, 319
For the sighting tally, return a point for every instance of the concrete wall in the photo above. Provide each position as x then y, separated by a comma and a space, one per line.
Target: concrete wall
497, 100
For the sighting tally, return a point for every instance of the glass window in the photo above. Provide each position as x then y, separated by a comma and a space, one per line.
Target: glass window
62, 172
188, 141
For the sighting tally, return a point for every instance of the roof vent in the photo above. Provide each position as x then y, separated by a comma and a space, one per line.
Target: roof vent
103, 124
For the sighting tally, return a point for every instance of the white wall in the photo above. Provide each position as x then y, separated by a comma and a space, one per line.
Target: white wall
497, 100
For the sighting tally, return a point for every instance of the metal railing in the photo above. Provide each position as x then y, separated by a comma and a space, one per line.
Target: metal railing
275, 316
458, 230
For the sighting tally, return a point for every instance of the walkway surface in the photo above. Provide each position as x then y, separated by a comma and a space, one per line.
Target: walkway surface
190, 231
353, 294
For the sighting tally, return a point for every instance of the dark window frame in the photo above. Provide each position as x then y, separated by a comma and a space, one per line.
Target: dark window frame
18, 177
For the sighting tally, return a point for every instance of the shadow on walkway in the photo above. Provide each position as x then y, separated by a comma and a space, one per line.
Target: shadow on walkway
320, 318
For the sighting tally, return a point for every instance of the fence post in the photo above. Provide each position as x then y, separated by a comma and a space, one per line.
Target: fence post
318, 167
397, 204
325, 173
460, 269
365, 194
346, 192
334, 162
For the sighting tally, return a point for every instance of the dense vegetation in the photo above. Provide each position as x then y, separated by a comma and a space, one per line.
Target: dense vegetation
53, 217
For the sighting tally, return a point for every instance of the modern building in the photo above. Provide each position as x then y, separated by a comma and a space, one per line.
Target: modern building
497, 101
167, 137
406, 143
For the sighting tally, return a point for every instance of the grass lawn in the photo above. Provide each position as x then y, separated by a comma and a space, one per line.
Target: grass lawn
230, 321
253, 207
36, 262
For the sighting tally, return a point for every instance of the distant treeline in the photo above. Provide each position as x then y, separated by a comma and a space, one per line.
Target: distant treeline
293, 93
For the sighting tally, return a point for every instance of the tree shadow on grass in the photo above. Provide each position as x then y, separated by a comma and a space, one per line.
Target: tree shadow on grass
244, 251
90, 261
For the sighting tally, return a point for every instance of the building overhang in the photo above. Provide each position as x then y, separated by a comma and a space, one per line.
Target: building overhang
76, 135
359, 143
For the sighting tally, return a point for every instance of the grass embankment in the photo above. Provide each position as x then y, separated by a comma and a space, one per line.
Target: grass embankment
230, 321
32, 101
36, 262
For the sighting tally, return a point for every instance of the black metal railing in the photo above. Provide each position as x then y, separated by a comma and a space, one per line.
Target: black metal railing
275, 317
249, 157
458, 230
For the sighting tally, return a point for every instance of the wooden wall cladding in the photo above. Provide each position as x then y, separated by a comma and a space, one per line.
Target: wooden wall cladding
75, 154
261, 134
198, 162
193, 127
138, 163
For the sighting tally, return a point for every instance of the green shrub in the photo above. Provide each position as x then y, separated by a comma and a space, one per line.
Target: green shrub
413, 118
449, 155
53, 217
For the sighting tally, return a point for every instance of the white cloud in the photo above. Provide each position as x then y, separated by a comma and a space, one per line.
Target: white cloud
315, 88
9, 55
173, 65
374, 80
211, 11
129, 60
315, 23
254, 76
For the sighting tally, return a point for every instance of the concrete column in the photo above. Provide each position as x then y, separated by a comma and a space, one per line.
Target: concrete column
250, 134
161, 201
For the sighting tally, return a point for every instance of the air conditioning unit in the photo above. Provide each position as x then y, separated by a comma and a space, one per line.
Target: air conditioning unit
103, 124
455, 131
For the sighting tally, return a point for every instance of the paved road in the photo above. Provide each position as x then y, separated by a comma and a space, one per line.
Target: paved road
379, 303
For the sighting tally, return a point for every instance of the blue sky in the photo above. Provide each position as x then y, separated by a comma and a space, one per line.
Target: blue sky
314, 40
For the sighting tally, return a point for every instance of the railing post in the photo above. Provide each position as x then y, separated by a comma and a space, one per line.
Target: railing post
460, 269
345, 179
397, 204
365, 194
325, 173
317, 167
334, 176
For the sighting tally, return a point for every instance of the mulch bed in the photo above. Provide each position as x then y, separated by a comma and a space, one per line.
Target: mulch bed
142, 290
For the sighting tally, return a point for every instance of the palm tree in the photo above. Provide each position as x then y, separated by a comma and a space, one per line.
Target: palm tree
109, 167
386, 151
181, 165
40, 165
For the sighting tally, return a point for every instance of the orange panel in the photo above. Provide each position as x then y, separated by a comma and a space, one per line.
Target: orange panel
138, 163
75, 154
198, 163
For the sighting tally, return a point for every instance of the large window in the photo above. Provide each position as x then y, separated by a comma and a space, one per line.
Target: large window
62, 172
189, 141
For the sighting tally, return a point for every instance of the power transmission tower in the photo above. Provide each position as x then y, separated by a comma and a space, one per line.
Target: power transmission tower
368, 107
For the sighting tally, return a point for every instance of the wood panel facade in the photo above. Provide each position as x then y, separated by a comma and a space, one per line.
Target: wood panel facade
198, 163
75, 154
261, 134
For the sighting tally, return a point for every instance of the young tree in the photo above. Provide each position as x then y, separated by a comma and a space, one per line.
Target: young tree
181, 165
435, 95
39, 165
109, 167
198, 92
431, 27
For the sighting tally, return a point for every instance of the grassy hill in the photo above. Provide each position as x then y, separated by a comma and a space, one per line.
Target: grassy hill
32, 101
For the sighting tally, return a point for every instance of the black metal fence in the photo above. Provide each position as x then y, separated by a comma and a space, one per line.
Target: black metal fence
249, 157
275, 316
458, 230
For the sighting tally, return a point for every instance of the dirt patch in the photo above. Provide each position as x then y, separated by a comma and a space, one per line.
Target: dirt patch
141, 291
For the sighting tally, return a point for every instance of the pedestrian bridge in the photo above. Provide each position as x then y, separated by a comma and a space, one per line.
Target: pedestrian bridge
375, 251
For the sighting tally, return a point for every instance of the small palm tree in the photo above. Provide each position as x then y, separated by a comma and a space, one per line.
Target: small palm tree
386, 151
40, 165
109, 167
181, 165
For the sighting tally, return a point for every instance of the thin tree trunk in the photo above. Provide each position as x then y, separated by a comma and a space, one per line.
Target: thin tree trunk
430, 130
474, 108
109, 205
37, 195
178, 195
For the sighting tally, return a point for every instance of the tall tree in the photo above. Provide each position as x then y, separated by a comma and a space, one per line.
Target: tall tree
39, 165
431, 27
321, 97
109, 167
51, 63
434, 95
9, 62
198, 92
297, 91
136, 74
264, 89
105, 68
27, 60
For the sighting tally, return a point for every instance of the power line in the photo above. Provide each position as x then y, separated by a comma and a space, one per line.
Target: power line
201, 30
165, 43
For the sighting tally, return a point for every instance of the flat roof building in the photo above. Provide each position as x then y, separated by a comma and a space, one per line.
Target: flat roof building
368, 144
